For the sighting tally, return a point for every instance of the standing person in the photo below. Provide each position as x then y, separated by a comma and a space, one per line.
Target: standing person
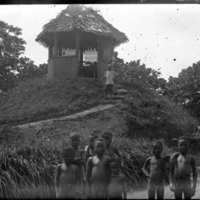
97, 172
110, 150
180, 170
117, 188
114, 62
66, 177
89, 149
109, 81
79, 160
156, 171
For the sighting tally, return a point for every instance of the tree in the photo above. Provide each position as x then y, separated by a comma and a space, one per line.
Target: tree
11, 47
134, 72
184, 89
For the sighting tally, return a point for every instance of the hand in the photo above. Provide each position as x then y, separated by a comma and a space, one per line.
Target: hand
171, 187
193, 192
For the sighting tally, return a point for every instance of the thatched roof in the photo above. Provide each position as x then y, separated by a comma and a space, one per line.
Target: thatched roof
87, 21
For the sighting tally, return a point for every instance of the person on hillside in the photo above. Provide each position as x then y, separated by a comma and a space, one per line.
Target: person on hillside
89, 149
115, 65
117, 188
109, 81
67, 176
154, 168
110, 150
181, 167
97, 172
79, 160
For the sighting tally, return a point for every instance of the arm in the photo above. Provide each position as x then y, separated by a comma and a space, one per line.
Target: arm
124, 187
57, 180
88, 176
194, 172
146, 165
171, 172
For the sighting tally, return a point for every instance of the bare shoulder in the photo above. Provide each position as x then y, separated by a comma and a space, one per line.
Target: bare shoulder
192, 159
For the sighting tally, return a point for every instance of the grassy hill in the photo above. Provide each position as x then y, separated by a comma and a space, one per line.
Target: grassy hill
38, 99
29, 156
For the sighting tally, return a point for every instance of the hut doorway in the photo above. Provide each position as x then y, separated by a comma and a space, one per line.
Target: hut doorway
87, 62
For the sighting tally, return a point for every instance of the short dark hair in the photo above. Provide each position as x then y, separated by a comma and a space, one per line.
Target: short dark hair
99, 139
157, 142
93, 135
183, 137
107, 133
68, 149
116, 160
74, 135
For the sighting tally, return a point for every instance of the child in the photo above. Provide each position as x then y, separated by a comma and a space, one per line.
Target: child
156, 173
114, 62
109, 79
117, 185
97, 172
79, 159
89, 149
66, 177
181, 166
110, 151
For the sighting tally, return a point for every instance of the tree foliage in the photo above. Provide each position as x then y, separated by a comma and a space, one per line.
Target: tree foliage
11, 47
184, 89
137, 73
14, 67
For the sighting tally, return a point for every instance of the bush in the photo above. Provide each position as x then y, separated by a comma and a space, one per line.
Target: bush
151, 115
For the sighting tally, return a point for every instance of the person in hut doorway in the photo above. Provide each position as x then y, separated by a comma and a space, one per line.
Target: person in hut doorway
109, 81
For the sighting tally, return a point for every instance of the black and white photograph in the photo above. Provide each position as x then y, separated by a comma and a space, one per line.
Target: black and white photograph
100, 101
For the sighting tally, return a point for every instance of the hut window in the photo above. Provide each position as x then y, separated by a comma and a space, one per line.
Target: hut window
68, 52
90, 56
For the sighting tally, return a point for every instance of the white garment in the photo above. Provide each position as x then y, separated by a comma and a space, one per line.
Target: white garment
110, 75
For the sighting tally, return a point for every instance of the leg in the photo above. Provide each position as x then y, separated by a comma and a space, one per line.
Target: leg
151, 191
187, 191
178, 192
160, 192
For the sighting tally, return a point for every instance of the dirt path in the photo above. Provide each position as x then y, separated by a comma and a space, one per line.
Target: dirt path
168, 194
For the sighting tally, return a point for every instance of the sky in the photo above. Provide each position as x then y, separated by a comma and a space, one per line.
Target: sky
162, 36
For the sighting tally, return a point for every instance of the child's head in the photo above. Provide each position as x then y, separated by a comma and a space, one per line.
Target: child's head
68, 155
92, 138
115, 53
107, 136
74, 139
183, 144
99, 146
115, 165
157, 147
109, 67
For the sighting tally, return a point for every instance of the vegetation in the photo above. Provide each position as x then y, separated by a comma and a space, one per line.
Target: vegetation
36, 99
29, 162
184, 89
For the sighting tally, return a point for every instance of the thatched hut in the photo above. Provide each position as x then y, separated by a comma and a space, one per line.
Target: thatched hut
80, 28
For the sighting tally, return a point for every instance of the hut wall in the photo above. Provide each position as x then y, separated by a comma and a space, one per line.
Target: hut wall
63, 67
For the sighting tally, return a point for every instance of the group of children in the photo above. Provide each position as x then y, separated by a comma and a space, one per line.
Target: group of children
94, 172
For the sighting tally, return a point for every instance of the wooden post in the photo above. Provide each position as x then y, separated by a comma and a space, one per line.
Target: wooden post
55, 53
98, 58
50, 52
77, 45
60, 50
81, 57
